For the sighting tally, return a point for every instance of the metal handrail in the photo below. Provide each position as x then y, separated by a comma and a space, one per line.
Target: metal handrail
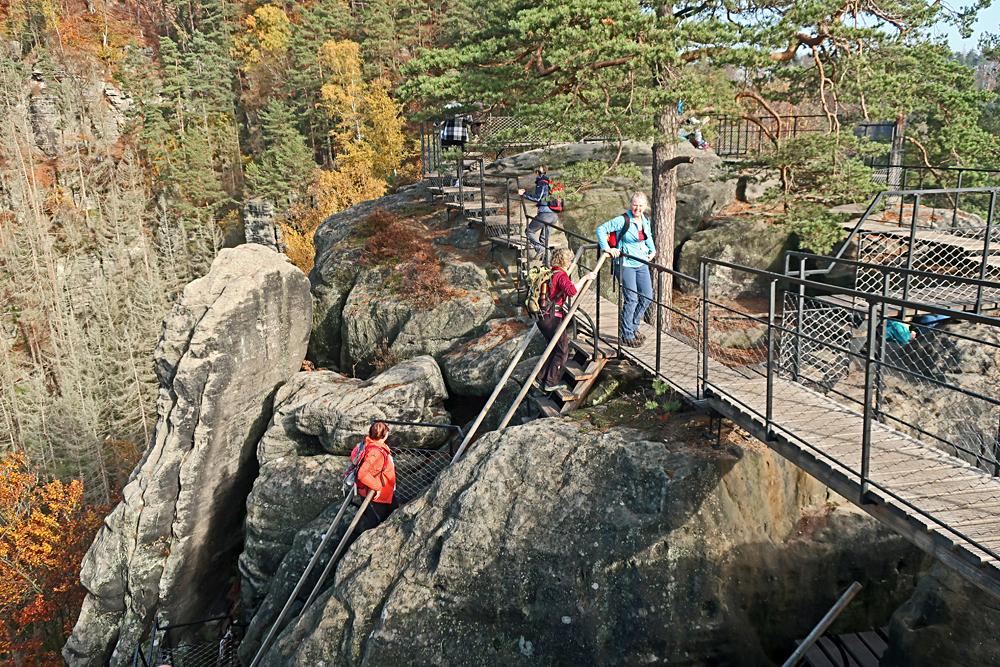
470, 434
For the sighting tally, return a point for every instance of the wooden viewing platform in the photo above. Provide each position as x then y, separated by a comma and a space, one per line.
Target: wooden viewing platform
824, 438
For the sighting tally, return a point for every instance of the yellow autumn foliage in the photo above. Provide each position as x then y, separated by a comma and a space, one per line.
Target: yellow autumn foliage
267, 33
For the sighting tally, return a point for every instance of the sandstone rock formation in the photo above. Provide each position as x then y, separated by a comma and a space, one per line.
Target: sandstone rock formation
747, 242
315, 414
363, 320
298, 490
259, 226
234, 337
473, 368
566, 544
947, 621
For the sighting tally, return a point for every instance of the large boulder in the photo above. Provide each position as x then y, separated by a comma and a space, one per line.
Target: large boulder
750, 243
317, 414
561, 543
947, 621
473, 367
234, 336
367, 316
382, 325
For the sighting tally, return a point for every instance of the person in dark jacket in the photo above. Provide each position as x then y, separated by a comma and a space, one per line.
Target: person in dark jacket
537, 230
561, 288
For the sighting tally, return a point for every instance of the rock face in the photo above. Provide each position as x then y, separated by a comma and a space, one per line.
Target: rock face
947, 621
259, 227
748, 242
364, 319
232, 339
317, 414
473, 368
299, 487
559, 543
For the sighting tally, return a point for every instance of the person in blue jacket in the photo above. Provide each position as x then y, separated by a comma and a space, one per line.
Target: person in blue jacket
538, 228
633, 242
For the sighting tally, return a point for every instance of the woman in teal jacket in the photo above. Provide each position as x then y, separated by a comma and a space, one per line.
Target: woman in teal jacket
636, 284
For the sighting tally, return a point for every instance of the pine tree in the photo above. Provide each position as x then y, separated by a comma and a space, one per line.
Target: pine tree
284, 168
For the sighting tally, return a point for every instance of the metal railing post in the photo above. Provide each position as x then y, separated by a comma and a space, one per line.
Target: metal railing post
958, 196
659, 317
423, 151
769, 416
482, 190
986, 249
704, 329
621, 299
800, 312
507, 206
909, 251
870, 361
597, 309
879, 383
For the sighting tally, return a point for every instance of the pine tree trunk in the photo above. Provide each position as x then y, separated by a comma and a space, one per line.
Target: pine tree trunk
664, 200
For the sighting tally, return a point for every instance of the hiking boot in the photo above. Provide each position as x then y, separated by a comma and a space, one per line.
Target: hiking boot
630, 342
639, 338
556, 387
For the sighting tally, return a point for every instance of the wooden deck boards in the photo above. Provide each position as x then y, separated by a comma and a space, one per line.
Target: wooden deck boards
813, 425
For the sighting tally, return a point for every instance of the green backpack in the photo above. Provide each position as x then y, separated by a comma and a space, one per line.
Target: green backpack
539, 281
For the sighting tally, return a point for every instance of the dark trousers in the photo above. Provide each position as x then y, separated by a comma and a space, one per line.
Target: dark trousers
375, 514
553, 369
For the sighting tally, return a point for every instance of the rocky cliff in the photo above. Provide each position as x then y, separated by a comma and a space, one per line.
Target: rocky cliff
559, 542
234, 336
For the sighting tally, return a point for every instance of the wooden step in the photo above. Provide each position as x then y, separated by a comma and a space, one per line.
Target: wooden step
577, 371
474, 204
512, 242
546, 406
567, 395
498, 220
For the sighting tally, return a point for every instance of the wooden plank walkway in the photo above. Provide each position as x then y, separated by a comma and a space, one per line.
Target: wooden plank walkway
824, 438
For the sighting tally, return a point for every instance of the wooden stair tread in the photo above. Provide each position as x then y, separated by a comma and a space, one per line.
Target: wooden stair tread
577, 371
546, 406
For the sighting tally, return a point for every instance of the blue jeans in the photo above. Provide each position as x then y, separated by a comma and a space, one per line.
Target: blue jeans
637, 294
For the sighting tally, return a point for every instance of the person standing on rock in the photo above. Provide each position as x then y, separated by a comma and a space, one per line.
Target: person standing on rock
629, 238
537, 230
561, 288
376, 474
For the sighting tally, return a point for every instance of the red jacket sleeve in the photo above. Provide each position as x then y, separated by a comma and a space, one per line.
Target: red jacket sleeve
370, 471
562, 284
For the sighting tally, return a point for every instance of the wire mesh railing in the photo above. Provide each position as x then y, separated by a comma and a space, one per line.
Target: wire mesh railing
211, 642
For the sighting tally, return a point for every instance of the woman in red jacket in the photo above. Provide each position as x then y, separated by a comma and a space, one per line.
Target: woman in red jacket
561, 289
376, 474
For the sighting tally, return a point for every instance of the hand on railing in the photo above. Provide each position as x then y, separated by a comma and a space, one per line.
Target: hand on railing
614, 252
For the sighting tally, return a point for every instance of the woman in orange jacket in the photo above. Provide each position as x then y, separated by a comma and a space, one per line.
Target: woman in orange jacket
376, 474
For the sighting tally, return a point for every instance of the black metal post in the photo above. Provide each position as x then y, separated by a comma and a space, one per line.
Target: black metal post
659, 317
769, 416
902, 188
990, 215
909, 251
704, 329
482, 191
597, 308
423, 151
879, 380
996, 452
958, 195
621, 299
800, 312
866, 435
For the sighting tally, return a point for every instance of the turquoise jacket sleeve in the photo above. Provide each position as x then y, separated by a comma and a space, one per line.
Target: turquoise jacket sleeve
615, 225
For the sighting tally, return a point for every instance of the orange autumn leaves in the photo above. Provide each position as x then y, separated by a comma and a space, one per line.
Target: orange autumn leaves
45, 529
